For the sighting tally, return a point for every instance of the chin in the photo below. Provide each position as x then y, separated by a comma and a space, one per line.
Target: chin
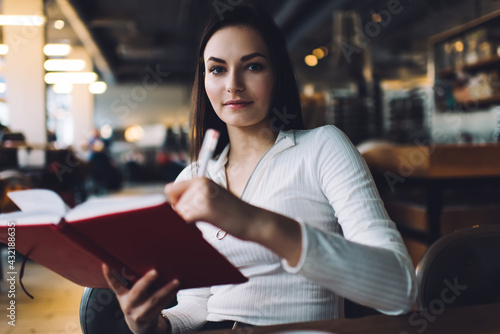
239, 121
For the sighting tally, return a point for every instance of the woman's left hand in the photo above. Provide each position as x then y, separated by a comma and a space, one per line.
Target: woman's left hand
201, 199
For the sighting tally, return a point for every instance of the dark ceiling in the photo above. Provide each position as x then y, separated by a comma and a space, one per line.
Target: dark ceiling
133, 35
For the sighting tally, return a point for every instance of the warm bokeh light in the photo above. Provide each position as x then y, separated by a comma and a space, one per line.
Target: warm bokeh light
318, 53
98, 87
64, 65
3, 87
57, 49
134, 133
21, 20
311, 60
59, 24
4, 49
459, 46
62, 88
376, 18
309, 89
325, 50
106, 131
71, 77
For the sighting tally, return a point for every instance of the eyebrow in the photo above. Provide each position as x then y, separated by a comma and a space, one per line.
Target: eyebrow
244, 58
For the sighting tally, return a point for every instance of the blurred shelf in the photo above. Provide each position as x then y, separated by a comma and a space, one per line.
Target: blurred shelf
450, 71
470, 105
464, 27
486, 23
482, 102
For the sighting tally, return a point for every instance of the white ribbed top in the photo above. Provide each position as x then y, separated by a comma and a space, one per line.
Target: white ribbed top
318, 178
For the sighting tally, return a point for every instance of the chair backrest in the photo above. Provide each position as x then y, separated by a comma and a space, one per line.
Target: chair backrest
100, 313
461, 268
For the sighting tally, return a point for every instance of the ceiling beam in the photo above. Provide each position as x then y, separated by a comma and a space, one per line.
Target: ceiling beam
87, 40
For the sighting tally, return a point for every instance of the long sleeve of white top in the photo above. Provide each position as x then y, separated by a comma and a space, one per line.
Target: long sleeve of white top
370, 265
190, 313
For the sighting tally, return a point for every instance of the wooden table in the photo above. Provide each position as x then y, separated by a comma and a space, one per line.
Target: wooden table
435, 167
480, 319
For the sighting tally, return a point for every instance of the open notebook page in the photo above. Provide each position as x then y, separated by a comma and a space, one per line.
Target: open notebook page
102, 206
29, 218
40, 206
38, 200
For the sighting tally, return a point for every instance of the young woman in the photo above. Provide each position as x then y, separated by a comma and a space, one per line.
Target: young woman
295, 210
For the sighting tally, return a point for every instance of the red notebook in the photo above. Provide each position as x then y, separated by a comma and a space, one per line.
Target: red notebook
131, 234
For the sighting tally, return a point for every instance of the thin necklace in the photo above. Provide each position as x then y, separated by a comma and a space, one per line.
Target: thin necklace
220, 234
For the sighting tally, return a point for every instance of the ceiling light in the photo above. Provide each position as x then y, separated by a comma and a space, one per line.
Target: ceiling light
71, 77
59, 24
57, 49
62, 88
311, 60
4, 49
21, 20
64, 64
98, 87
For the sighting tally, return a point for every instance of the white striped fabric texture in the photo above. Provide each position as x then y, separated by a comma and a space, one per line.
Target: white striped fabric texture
350, 247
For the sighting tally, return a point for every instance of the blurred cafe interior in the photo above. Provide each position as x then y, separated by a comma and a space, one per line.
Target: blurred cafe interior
95, 101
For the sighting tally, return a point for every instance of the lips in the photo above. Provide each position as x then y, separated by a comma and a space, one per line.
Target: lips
237, 103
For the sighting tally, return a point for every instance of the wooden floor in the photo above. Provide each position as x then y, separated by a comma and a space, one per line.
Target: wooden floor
54, 309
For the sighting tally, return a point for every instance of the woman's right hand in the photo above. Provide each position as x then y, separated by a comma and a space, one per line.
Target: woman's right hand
142, 304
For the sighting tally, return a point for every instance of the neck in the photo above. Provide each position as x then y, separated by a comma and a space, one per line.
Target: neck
250, 142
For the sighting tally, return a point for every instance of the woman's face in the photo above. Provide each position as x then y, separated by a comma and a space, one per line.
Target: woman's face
239, 78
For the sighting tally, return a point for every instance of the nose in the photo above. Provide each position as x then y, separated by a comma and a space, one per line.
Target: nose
235, 82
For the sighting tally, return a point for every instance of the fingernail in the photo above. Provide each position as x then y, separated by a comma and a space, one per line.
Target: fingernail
153, 272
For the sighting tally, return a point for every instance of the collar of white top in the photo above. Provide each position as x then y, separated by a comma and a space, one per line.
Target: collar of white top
288, 138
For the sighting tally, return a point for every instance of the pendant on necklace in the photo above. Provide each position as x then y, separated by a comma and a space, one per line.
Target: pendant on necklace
220, 234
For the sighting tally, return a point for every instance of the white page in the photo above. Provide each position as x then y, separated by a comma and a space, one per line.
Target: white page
101, 206
28, 218
38, 200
